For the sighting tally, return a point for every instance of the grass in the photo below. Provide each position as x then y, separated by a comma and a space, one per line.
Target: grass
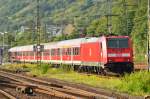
137, 83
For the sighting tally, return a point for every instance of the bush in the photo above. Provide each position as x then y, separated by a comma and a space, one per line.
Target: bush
136, 83
66, 68
45, 68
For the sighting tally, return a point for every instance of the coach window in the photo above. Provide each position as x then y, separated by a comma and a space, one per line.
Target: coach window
46, 53
58, 51
73, 51
69, 51
53, 52
31, 53
23, 53
15, 53
26, 53
62, 51
19, 54
65, 51
76, 51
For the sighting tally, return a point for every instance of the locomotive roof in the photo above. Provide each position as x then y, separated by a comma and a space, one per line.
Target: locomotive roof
117, 37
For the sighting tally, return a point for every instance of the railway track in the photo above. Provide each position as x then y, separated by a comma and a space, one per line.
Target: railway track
12, 87
64, 89
52, 89
7, 95
141, 66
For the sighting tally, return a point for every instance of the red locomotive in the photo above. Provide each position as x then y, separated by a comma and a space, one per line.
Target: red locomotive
106, 53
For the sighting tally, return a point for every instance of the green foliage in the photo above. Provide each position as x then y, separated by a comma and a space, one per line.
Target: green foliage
97, 27
137, 83
44, 68
87, 16
66, 68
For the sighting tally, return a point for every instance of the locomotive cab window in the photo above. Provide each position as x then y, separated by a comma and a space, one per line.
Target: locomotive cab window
117, 43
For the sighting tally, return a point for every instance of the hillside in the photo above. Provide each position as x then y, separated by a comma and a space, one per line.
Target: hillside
86, 17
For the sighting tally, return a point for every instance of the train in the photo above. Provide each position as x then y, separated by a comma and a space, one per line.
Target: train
90, 54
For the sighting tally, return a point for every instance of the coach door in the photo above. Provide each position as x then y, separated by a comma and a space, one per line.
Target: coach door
101, 52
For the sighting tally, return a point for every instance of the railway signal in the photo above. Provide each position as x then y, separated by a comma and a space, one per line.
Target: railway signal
38, 48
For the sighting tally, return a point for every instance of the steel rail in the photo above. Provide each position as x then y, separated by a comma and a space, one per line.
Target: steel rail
6, 94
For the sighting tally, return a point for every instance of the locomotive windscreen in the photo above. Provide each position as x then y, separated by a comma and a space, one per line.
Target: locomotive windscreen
117, 43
